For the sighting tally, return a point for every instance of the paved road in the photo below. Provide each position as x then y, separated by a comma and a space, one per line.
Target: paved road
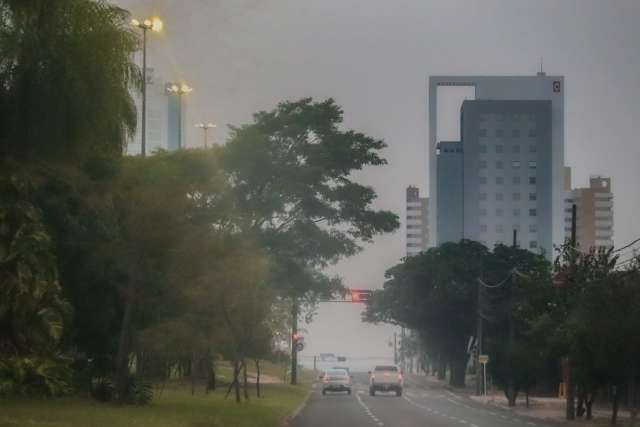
417, 407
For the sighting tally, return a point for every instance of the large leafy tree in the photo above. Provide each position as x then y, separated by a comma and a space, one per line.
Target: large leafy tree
435, 294
65, 111
66, 72
291, 176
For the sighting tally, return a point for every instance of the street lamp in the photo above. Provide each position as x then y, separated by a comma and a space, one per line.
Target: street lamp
205, 127
153, 24
179, 89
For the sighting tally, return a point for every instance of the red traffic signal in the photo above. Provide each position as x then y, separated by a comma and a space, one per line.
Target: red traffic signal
360, 295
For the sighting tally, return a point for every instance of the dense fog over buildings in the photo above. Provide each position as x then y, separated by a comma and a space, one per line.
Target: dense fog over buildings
374, 57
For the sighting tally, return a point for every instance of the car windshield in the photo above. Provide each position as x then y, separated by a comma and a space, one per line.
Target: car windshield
386, 369
337, 373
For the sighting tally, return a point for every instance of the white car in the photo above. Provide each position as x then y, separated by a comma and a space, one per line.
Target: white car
336, 380
386, 378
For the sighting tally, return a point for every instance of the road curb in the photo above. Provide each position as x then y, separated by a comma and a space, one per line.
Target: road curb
296, 412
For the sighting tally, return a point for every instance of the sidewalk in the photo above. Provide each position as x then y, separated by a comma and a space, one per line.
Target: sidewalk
543, 408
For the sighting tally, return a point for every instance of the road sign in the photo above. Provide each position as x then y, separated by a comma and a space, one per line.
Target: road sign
299, 346
483, 358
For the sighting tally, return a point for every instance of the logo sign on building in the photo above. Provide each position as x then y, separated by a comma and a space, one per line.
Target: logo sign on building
556, 86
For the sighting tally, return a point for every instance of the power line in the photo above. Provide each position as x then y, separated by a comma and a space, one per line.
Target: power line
628, 246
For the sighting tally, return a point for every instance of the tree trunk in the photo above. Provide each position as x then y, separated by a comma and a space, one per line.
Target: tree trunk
211, 374
442, 367
458, 370
193, 372
580, 410
244, 380
589, 404
526, 396
236, 378
122, 364
258, 378
616, 406
633, 412
512, 393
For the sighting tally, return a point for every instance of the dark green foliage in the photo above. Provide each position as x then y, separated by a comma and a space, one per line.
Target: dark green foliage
102, 389
48, 375
291, 177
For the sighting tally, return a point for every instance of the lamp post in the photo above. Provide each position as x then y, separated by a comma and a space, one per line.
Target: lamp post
179, 89
205, 127
153, 24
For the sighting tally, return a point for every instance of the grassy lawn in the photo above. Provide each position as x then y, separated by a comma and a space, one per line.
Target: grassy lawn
176, 407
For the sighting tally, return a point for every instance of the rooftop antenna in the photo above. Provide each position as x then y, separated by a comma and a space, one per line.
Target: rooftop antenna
541, 72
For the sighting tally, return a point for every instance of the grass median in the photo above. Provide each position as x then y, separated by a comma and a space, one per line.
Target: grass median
176, 407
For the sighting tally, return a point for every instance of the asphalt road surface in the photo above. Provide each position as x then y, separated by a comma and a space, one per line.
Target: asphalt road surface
418, 406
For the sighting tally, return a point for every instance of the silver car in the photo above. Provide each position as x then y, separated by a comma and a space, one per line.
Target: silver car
336, 380
386, 378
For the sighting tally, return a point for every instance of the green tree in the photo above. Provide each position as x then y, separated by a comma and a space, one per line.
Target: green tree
517, 351
32, 309
291, 175
435, 294
66, 72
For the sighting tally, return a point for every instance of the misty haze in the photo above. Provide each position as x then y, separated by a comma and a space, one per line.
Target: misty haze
357, 212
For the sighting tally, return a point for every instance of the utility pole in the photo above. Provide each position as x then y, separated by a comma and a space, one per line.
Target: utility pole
568, 384
395, 348
294, 343
511, 388
479, 333
402, 349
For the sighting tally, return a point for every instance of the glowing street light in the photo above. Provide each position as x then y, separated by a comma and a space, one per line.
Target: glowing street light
205, 127
179, 89
153, 24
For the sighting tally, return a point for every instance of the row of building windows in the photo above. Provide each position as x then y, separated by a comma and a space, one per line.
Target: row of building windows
499, 148
533, 244
501, 117
514, 164
515, 212
514, 196
500, 180
413, 226
533, 228
499, 133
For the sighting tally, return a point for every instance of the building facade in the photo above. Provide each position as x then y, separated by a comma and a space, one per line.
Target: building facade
417, 235
511, 107
594, 214
163, 117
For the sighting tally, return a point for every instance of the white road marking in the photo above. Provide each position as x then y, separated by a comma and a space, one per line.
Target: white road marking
368, 411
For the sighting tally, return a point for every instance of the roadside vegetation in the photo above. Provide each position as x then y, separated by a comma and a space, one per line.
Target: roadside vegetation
543, 323
120, 275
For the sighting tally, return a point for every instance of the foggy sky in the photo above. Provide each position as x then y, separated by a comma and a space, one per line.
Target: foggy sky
374, 58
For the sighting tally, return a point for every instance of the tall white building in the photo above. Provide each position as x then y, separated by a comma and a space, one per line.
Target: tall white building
507, 170
594, 214
163, 117
417, 221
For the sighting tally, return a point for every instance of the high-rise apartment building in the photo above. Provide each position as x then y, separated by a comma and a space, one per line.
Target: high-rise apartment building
594, 214
417, 221
507, 170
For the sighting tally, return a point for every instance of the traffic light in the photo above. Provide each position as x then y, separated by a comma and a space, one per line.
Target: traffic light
360, 295
298, 341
